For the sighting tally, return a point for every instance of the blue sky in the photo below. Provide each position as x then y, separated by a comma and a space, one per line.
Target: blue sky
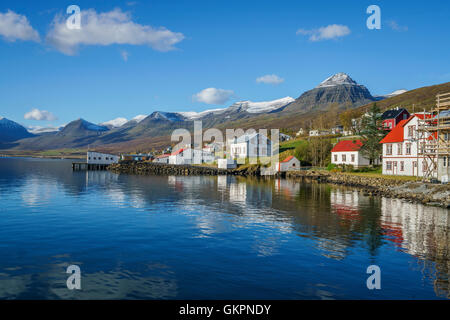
225, 45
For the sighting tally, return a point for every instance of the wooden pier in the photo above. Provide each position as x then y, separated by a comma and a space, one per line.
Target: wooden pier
83, 166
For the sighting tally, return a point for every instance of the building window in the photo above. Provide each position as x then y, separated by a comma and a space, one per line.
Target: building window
388, 165
411, 131
389, 149
445, 160
408, 148
344, 158
402, 166
353, 158
335, 158
399, 149
446, 136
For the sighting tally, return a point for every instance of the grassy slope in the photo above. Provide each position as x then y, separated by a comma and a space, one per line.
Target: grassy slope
420, 99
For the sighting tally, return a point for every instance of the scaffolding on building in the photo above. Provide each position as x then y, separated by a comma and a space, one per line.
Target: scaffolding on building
434, 140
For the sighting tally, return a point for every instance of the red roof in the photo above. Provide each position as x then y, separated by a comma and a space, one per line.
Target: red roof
163, 156
396, 134
288, 159
422, 116
178, 152
347, 145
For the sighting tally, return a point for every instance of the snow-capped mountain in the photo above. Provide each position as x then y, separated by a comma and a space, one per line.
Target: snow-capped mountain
82, 127
139, 118
339, 90
40, 130
264, 106
241, 106
12, 131
115, 123
337, 80
392, 94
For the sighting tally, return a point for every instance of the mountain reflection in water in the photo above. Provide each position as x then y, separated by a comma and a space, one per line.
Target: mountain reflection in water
163, 237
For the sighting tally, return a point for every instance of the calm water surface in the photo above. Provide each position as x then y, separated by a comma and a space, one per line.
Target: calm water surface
141, 237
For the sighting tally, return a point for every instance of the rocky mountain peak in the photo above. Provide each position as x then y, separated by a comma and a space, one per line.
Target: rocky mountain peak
337, 80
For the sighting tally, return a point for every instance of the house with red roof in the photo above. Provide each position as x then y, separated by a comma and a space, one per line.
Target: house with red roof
400, 149
347, 152
289, 164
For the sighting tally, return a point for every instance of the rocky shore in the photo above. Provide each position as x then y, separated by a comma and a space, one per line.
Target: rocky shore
414, 191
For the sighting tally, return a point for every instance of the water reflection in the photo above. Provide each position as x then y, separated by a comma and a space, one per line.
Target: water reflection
424, 233
179, 236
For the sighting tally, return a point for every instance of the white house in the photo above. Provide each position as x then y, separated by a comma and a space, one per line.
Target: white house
348, 152
317, 133
250, 146
226, 164
299, 132
101, 158
164, 158
288, 164
400, 149
191, 156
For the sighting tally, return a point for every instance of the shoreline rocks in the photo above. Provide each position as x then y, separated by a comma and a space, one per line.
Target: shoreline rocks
415, 191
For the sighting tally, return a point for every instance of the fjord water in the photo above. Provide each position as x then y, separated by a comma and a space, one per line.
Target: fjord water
167, 237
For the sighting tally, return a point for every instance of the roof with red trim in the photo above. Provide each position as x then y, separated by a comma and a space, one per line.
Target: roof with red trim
178, 152
163, 156
347, 145
288, 159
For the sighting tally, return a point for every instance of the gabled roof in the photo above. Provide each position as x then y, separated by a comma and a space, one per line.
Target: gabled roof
393, 113
288, 159
347, 145
396, 134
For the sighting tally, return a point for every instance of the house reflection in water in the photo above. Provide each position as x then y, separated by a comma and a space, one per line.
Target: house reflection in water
287, 188
422, 232
346, 204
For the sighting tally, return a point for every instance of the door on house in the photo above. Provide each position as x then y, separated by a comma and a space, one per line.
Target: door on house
414, 168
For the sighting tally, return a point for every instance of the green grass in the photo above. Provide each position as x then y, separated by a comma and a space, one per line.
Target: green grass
292, 144
58, 153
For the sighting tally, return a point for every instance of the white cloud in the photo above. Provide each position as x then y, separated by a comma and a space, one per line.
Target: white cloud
107, 28
41, 115
14, 27
214, 96
270, 79
329, 32
395, 26
124, 55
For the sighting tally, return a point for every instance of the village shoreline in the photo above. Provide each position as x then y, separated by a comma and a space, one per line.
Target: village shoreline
413, 191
